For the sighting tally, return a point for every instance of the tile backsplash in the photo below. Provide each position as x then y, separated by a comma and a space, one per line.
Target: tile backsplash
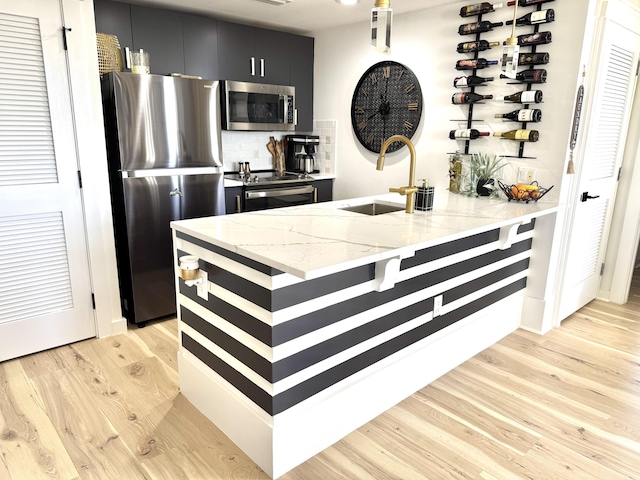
252, 147
326, 159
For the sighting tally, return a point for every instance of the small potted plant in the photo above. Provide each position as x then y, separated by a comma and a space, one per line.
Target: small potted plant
484, 170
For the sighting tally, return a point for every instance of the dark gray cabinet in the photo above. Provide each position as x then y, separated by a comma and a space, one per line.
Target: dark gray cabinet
251, 54
325, 189
301, 62
236, 52
114, 18
159, 32
272, 50
200, 46
214, 49
233, 199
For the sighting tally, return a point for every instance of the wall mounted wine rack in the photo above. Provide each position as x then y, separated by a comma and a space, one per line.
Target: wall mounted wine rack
527, 86
472, 88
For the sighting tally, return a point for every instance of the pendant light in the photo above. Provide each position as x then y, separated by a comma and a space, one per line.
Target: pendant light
509, 63
381, 18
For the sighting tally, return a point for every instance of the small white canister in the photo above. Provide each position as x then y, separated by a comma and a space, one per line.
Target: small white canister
189, 267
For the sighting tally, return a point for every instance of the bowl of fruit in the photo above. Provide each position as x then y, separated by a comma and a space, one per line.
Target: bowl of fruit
524, 192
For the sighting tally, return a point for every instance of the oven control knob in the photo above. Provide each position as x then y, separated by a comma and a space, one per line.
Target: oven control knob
255, 179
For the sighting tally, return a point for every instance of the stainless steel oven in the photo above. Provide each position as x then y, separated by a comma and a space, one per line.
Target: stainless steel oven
275, 197
264, 190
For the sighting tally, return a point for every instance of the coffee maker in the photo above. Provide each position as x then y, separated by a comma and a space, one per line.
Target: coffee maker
301, 153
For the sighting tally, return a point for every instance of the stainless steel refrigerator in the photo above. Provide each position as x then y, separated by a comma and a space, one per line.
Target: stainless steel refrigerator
165, 163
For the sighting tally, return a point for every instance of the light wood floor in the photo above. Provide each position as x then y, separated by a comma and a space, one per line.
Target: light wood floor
562, 406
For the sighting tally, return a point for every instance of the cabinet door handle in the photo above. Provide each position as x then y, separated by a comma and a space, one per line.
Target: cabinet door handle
295, 116
238, 208
127, 57
262, 67
253, 66
315, 195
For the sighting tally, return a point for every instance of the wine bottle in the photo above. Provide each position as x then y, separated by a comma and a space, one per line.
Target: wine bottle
538, 58
469, 97
477, 27
468, 134
455, 171
526, 96
470, 81
537, 38
471, 64
519, 135
543, 16
479, 8
479, 46
527, 3
522, 115
530, 76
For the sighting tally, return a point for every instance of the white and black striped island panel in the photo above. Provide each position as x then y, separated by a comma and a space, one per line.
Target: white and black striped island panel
280, 343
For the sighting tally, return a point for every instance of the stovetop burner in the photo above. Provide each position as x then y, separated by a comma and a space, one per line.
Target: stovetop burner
269, 178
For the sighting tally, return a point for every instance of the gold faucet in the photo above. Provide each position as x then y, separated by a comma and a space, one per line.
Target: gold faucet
411, 189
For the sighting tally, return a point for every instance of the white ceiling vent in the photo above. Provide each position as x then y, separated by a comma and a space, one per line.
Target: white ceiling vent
275, 2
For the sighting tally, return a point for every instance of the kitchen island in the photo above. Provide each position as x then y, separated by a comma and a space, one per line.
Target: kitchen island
310, 321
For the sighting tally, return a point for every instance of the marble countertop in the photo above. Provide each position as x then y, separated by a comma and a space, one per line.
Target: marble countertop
231, 183
311, 241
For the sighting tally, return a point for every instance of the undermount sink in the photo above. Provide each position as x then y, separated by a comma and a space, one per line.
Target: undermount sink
373, 208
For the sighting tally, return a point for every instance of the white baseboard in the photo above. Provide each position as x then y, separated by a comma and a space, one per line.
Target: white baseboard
118, 326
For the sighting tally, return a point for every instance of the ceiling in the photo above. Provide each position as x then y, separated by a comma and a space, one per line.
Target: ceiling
299, 16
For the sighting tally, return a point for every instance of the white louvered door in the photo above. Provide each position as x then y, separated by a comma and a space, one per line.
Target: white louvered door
605, 143
45, 291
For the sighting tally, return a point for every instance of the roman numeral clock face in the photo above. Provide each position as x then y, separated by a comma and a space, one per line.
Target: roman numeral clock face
387, 101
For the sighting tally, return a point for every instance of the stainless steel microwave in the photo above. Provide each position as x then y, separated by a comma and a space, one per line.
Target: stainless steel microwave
257, 106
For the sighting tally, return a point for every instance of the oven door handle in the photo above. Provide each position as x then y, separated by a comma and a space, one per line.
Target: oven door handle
278, 192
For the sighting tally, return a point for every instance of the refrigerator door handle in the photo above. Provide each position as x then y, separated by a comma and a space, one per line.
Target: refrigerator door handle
175, 192
170, 172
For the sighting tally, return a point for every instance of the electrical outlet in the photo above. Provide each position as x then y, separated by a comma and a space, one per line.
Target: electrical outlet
526, 174
531, 175
202, 288
437, 305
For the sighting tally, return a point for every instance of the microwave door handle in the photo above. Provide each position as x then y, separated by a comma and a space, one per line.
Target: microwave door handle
278, 192
285, 106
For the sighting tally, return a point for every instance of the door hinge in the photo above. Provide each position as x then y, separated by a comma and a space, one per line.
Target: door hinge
619, 173
79, 179
64, 36
93, 301
601, 269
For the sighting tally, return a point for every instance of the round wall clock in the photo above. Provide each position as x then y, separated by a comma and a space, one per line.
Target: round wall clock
387, 101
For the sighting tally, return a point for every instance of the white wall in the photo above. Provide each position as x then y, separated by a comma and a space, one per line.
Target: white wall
426, 42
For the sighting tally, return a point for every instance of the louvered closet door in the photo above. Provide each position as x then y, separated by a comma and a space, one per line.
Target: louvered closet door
598, 174
45, 292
